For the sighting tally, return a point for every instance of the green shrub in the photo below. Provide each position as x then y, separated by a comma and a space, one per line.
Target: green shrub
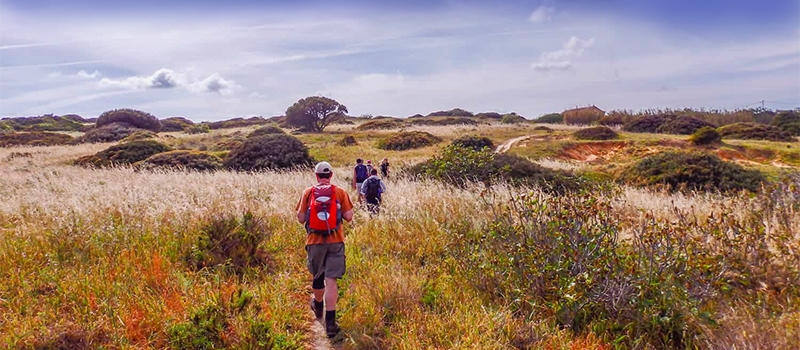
512, 118
236, 123
595, 133
788, 121
266, 130
196, 129
230, 242
611, 120
444, 121
381, 124
123, 154
456, 112
276, 151
692, 171
34, 138
753, 131
705, 136
552, 118
135, 118
666, 124
46, 122
474, 142
489, 115
542, 128
459, 166
347, 141
139, 135
183, 159
405, 140
109, 133
174, 124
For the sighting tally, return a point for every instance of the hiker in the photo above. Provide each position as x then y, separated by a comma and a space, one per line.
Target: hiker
385, 167
372, 190
369, 167
360, 173
321, 209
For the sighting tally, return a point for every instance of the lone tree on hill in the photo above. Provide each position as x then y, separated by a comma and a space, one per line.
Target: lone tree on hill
315, 113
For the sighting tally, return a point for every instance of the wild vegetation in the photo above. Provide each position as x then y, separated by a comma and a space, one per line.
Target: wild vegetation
132, 117
274, 151
406, 140
34, 138
753, 131
705, 136
691, 251
182, 160
123, 154
595, 133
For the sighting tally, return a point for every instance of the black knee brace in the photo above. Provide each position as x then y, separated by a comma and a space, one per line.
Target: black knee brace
319, 283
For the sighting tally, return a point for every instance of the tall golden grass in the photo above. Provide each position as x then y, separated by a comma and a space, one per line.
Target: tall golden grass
94, 256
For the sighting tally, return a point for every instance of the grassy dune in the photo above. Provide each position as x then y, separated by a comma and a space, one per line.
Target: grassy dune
99, 258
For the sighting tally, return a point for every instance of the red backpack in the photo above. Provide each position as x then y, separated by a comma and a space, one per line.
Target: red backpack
324, 211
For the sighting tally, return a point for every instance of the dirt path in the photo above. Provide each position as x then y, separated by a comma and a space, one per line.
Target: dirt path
320, 338
503, 148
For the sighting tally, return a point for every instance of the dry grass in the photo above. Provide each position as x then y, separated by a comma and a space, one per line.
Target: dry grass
95, 256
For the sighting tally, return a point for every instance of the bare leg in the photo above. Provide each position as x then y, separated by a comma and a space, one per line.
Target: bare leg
318, 294
331, 294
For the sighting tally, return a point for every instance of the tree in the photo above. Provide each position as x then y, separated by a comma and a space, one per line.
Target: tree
315, 113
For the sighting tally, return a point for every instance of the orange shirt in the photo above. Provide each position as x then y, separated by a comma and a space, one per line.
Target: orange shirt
344, 200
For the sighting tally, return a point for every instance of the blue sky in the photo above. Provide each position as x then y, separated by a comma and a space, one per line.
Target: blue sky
211, 60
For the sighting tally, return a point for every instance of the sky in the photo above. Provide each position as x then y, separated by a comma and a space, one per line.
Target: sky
214, 60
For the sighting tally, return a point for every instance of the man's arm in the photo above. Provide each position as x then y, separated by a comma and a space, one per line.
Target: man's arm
348, 215
301, 217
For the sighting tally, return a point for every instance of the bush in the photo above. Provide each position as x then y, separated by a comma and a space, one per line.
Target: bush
135, 118
139, 135
183, 159
542, 128
276, 151
109, 133
666, 124
381, 124
552, 118
123, 154
174, 124
682, 125
692, 171
753, 131
456, 112
611, 120
474, 142
512, 118
46, 122
459, 166
196, 129
408, 140
788, 121
236, 123
266, 130
705, 136
35, 138
444, 121
595, 133
230, 242
489, 115
347, 141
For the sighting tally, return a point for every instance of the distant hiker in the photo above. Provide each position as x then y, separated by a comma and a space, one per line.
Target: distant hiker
385, 167
372, 190
360, 174
321, 209
369, 166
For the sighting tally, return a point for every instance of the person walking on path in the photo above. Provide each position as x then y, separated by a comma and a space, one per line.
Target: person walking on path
372, 190
385, 167
369, 167
360, 174
321, 209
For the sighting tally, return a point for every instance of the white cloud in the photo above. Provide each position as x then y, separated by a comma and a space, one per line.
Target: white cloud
165, 78
560, 59
84, 75
543, 13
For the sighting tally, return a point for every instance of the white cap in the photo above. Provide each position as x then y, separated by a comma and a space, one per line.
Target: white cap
323, 168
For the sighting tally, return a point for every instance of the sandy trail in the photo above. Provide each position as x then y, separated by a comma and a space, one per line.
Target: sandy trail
503, 148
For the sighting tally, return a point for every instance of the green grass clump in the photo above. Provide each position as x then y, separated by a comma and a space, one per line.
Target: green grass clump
406, 140
705, 136
444, 121
552, 118
34, 138
476, 143
133, 117
595, 133
788, 121
692, 171
381, 124
109, 133
183, 160
512, 118
123, 154
230, 242
753, 131
666, 124
275, 151
348, 141
139, 135
196, 129
175, 124
266, 130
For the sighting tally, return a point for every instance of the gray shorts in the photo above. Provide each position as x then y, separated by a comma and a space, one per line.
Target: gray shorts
358, 186
326, 260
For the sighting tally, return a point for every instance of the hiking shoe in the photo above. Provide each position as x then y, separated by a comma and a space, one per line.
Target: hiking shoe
332, 328
318, 308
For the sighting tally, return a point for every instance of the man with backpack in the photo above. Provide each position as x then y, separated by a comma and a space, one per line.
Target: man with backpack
360, 174
322, 209
372, 190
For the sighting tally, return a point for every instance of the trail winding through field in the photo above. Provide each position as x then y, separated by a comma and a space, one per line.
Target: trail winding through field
503, 148
320, 338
